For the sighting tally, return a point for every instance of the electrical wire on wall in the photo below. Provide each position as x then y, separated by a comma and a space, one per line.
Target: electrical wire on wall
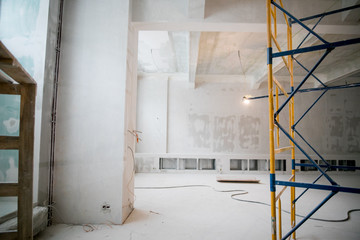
135, 133
53, 114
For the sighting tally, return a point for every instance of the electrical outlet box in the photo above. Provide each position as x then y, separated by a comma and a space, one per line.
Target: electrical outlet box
105, 207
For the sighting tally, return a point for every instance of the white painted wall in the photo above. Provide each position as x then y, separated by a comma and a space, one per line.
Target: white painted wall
91, 112
152, 115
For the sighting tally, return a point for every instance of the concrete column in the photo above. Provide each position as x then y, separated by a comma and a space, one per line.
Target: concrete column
90, 133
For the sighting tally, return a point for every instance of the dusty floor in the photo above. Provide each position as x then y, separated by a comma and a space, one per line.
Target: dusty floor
202, 213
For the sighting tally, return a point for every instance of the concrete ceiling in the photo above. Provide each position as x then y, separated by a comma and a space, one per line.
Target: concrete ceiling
220, 56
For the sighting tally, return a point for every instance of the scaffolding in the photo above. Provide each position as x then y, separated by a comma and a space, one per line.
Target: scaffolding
276, 89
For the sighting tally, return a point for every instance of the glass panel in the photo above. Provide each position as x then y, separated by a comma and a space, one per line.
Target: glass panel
349, 163
206, 164
253, 165
168, 163
8, 205
238, 164
235, 164
280, 165
309, 168
331, 162
9, 115
262, 165
187, 163
9, 164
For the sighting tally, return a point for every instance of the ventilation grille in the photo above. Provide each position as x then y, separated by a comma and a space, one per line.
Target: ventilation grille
187, 163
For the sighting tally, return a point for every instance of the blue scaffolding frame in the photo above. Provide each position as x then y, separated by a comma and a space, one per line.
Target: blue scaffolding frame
323, 166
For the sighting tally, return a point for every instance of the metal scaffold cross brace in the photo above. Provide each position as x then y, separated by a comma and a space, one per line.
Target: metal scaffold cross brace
274, 110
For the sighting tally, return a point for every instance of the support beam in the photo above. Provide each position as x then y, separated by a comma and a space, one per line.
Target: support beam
8, 189
193, 56
12, 67
8, 88
178, 42
334, 188
196, 9
352, 15
197, 26
278, 64
9, 235
317, 47
9, 142
341, 70
26, 164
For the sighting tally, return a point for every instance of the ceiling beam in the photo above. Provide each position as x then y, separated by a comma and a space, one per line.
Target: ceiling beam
278, 64
352, 15
341, 71
202, 26
193, 56
196, 9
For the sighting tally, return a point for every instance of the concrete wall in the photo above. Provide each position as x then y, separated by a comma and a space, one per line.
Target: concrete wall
211, 121
23, 30
91, 112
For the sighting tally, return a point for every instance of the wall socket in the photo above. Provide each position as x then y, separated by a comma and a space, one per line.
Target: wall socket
105, 207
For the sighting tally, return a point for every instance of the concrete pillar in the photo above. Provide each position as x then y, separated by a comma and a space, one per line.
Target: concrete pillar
91, 116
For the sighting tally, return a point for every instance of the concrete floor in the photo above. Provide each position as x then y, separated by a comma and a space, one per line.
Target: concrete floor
202, 213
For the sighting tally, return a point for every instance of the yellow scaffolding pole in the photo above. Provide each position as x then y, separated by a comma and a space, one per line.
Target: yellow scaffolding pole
292, 132
272, 37
271, 123
274, 118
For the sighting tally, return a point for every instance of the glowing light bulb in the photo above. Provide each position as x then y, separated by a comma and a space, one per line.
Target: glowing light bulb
245, 100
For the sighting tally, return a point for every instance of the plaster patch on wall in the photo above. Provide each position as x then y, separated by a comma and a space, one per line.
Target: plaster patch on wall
353, 134
199, 130
249, 137
336, 131
336, 126
336, 106
224, 134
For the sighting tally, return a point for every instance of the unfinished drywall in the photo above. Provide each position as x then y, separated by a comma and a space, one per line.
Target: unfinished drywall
337, 129
90, 133
152, 115
211, 121
23, 29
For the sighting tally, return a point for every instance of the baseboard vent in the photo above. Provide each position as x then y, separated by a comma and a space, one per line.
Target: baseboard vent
187, 163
